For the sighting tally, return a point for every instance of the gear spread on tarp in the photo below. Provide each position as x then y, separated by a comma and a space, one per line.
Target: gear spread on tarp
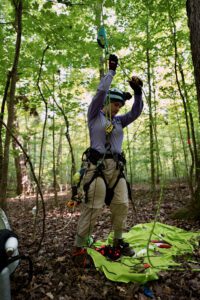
167, 243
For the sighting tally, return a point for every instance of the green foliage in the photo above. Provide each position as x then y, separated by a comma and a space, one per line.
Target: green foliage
70, 73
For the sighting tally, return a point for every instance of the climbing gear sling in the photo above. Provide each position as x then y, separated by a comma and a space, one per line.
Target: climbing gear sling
97, 159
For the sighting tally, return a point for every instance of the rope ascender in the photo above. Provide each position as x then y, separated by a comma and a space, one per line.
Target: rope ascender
102, 39
101, 34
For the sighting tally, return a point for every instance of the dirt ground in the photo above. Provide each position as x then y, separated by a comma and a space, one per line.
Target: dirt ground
56, 277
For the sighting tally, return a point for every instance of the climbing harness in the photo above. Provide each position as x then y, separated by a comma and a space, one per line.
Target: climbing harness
97, 159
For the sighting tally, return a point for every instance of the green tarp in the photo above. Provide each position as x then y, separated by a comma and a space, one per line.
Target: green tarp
136, 268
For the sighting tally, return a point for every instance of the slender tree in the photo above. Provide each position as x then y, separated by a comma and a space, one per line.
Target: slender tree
186, 105
11, 101
193, 12
54, 159
150, 102
5, 96
22, 176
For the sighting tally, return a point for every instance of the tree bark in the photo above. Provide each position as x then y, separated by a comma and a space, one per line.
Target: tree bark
2, 118
4, 181
23, 180
186, 105
193, 12
151, 131
54, 161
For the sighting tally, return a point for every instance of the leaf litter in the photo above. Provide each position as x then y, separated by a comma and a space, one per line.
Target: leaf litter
56, 277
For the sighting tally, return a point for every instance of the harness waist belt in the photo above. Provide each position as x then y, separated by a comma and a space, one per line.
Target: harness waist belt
109, 155
94, 155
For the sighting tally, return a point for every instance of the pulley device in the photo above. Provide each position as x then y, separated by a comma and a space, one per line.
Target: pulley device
101, 34
102, 39
103, 43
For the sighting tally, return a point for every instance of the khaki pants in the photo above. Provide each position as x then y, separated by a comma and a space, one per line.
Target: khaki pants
96, 197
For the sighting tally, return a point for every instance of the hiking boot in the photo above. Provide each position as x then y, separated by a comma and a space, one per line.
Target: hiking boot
81, 258
124, 247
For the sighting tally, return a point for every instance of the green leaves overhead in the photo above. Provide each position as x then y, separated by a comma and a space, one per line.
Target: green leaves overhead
70, 71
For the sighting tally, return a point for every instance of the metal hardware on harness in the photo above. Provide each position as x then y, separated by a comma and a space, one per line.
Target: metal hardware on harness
73, 203
120, 165
109, 128
100, 166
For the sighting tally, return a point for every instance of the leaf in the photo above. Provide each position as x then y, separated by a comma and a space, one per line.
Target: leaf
50, 295
48, 5
61, 259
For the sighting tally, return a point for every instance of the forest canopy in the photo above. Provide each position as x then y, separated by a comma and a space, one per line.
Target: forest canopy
50, 67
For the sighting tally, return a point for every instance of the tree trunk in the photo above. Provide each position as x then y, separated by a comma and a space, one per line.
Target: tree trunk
186, 105
54, 161
2, 118
23, 181
67, 134
4, 181
151, 131
59, 169
193, 12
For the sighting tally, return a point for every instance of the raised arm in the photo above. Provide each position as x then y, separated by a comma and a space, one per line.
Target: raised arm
134, 113
100, 96
103, 88
137, 107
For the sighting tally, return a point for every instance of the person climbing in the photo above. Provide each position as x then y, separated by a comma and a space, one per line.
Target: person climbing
104, 180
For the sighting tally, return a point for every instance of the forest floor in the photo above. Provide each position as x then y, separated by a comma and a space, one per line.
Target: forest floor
56, 277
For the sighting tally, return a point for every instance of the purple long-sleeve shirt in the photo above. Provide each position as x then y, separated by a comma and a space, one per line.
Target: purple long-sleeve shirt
97, 120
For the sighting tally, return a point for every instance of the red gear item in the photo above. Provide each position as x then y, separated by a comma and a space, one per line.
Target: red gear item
146, 266
161, 244
110, 252
164, 246
81, 258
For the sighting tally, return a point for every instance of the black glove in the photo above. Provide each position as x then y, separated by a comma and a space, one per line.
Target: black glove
136, 84
127, 96
113, 62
